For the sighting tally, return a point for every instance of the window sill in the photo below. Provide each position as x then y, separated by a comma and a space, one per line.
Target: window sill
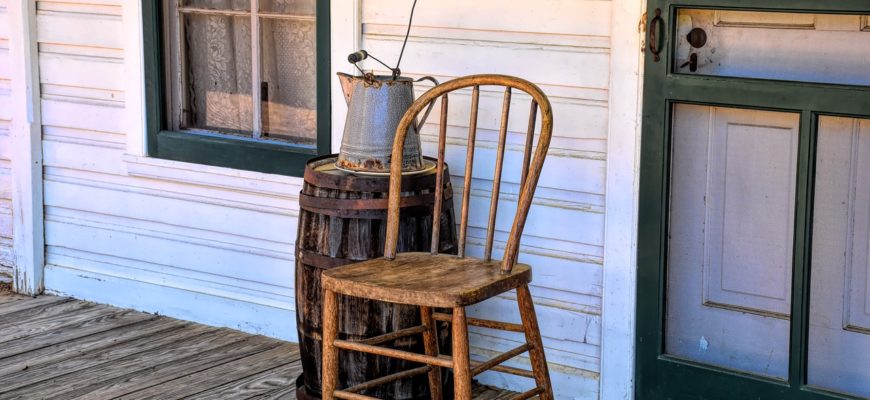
230, 152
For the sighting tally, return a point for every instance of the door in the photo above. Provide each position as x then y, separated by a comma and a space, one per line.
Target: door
754, 231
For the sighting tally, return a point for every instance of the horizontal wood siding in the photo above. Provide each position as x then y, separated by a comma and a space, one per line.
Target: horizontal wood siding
216, 245
203, 244
563, 46
5, 153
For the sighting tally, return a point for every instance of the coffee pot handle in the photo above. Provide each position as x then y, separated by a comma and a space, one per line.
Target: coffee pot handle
432, 104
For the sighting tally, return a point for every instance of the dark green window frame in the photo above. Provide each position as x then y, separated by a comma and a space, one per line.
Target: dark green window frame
225, 151
658, 375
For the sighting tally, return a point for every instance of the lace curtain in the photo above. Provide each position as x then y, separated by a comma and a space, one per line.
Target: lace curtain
219, 61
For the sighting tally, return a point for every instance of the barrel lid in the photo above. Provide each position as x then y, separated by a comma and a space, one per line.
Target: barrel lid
321, 172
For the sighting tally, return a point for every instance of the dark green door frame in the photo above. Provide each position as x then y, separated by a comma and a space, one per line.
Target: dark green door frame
659, 376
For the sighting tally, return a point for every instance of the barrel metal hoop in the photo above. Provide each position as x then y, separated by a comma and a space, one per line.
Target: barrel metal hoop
316, 260
413, 210
309, 201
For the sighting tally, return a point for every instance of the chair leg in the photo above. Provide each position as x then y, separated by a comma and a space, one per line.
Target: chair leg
533, 338
430, 343
329, 366
461, 360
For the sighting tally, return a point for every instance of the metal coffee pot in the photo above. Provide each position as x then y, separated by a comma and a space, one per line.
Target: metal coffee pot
376, 104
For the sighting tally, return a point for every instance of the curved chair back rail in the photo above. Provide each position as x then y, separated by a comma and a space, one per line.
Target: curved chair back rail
531, 167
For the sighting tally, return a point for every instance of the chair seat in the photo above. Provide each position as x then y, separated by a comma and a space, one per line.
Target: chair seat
424, 279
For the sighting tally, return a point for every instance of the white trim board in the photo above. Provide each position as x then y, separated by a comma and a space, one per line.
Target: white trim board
199, 306
620, 237
26, 135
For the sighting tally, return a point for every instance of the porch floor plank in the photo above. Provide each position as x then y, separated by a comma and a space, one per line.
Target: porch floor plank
280, 378
61, 351
9, 298
54, 347
9, 308
195, 383
162, 378
74, 332
175, 348
108, 355
47, 319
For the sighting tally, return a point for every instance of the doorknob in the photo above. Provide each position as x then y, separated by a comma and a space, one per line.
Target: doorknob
697, 38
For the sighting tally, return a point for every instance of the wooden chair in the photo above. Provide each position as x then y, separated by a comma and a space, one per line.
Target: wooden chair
432, 280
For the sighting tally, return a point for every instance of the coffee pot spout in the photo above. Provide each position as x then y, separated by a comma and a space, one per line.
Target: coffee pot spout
346, 86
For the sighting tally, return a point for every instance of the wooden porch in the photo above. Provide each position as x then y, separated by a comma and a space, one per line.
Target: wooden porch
60, 348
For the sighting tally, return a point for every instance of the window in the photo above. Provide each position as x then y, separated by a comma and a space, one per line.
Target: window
238, 83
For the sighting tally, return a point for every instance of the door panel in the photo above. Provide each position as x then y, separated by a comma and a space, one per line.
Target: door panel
839, 347
821, 48
731, 235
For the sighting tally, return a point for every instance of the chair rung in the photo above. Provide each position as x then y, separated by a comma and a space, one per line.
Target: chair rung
529, 394
387, 352
394, 335
483, 323
341, 394
514, 371
387, 379
489, 364
498, 368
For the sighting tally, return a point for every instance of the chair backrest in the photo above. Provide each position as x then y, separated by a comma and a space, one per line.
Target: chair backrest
531, 167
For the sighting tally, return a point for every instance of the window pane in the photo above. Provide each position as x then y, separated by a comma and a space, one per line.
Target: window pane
218, 76
731, 237
289, 72
236, 5
839, 345
295, 7
806, 47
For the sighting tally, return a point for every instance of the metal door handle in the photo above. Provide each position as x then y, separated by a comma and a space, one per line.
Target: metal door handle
654, 37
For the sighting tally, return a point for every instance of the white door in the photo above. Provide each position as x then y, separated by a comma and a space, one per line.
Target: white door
731, 234
733, 187
839, 346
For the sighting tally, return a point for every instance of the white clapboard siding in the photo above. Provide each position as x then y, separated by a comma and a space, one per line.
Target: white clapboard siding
589, 17
6, 257
563, 46
196, 244
216, 245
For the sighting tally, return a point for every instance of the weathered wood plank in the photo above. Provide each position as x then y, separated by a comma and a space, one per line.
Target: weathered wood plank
74, 331
6, 309
8, 298
115, 352
192, 384
78, 346
109, 356
38, 320
280, 378
181, 347
288, 393
157, 376
489, 393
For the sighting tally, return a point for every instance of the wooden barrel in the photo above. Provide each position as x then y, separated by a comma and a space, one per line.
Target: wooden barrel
342, 220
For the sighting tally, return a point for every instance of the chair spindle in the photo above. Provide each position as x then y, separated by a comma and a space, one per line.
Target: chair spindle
530, 137
439, 179
469, 166
496, 179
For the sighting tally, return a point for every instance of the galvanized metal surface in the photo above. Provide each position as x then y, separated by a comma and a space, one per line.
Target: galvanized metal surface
375, 106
